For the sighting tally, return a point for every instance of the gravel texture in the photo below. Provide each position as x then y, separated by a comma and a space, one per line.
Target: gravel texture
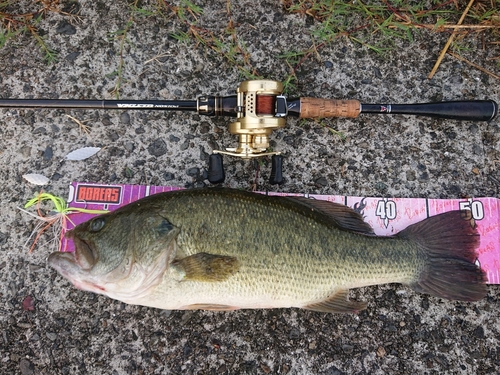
49, 327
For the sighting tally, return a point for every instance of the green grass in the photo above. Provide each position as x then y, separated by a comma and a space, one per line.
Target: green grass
380, 25
13, 24
6, 35
226, 44
120, 36
377, 26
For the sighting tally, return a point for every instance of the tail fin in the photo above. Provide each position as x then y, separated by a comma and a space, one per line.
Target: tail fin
448, 242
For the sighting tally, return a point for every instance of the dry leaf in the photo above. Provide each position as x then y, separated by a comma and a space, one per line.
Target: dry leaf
82, 153
36, 179
28, 304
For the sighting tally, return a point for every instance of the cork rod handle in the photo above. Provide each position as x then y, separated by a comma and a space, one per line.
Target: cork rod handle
316, 107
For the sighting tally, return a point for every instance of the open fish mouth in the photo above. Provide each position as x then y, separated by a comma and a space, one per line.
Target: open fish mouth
75, 265
82, 258
63, 262
84, 253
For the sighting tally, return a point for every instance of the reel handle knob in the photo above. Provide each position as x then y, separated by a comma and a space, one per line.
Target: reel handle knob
276, 177
216, 173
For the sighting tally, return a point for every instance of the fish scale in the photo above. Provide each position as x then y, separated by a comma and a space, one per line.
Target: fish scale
227, 249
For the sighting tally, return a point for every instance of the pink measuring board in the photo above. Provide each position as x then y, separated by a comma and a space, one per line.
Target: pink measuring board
387, 216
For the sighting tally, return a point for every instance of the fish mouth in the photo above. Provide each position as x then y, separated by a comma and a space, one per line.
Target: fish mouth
84, 254
63, 262
68, 264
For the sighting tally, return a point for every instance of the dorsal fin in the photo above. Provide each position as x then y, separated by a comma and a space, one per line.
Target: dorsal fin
344, 216
338, 303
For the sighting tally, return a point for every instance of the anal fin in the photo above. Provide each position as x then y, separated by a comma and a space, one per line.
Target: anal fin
210, 306
338, 303
207, 267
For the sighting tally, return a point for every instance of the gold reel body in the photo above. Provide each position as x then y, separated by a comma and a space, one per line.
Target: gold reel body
257, 116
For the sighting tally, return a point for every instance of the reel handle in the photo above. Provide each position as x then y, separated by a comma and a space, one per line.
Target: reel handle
276, 177
216, 174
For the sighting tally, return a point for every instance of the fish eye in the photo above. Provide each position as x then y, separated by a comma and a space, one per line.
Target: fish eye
97, 224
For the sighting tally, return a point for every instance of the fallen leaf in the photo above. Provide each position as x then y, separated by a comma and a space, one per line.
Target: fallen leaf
381, 352
82, 153
36, 179
28, 304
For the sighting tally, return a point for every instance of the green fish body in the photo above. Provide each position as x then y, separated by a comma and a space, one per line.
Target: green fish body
224, 249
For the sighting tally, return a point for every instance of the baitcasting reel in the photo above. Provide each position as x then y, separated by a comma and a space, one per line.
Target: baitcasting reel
260, 108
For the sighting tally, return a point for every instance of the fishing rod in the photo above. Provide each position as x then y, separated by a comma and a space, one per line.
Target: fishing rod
260, 107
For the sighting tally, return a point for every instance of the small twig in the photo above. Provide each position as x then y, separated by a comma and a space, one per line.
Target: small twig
456, 27
474, 65
448, 43
255, 181
157, 58
81, 124
308, 53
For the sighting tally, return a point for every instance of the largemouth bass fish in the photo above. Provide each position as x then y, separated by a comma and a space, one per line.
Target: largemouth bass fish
223, 249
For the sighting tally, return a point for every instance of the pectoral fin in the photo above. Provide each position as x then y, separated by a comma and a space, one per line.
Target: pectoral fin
338, 303
207, 267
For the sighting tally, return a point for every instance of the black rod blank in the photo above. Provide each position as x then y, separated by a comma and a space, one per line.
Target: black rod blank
473, 110
168, 105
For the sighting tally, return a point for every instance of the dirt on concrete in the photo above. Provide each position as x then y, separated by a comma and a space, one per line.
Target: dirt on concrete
49, 327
